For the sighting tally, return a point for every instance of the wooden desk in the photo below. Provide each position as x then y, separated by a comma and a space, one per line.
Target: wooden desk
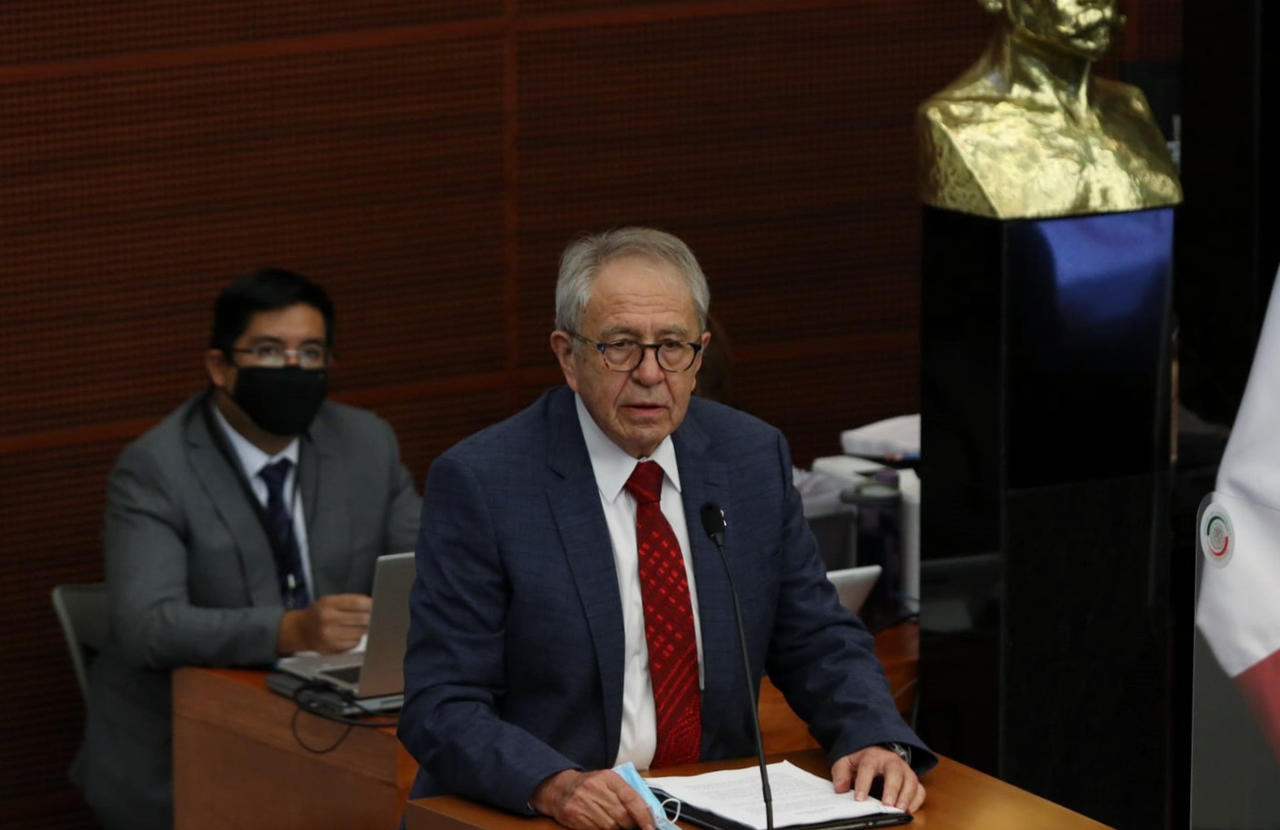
959, 798
238, 764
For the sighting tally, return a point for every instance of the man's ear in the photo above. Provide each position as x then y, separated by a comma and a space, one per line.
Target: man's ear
697, 360
562, 346
219, 369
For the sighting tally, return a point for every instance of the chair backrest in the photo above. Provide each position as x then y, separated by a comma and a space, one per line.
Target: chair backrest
82, 611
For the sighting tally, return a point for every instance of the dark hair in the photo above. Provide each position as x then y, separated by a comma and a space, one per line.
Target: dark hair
266, 289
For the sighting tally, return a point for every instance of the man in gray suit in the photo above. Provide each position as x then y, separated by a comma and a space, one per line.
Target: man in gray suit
243, 527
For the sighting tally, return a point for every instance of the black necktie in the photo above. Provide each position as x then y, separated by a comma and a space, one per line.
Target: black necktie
293, 585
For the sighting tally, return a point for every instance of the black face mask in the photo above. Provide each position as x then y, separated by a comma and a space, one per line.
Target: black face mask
281, 401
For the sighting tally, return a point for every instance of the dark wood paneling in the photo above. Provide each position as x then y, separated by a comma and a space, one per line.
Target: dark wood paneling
429, 427
427, 163
38, 30
1153, 31
115, 246
811, 398
781, 164
50, 523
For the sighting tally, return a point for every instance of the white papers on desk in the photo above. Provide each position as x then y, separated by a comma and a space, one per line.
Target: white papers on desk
898, 436
799, 797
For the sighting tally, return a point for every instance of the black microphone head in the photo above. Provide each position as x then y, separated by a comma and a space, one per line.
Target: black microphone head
713, 522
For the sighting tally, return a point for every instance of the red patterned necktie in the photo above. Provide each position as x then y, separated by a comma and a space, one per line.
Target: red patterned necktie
668, 624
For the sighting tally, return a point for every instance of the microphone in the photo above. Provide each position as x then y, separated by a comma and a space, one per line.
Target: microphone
713, 523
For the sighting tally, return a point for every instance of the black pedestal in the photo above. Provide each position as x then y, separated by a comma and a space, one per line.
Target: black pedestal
1045, 441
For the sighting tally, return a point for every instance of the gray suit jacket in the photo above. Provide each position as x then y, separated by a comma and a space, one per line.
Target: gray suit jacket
191, 579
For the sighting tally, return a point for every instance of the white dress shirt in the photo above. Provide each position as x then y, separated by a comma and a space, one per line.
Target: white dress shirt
252, 460
612, 467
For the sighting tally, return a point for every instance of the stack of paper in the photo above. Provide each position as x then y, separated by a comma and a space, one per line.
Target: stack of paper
891, 438
799, 799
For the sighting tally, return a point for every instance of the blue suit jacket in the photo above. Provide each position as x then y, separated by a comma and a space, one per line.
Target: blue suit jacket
515, 658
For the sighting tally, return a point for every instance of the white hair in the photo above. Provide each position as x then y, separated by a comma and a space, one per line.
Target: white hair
584, 258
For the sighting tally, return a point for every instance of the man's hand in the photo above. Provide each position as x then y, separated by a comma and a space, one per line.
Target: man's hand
902, 788
330, 624
591, 801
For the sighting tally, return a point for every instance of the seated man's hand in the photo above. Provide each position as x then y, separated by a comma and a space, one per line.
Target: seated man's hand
591, 801
902, 789
330, 624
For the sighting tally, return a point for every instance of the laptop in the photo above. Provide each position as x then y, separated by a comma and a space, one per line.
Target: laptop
853, 585
373, 679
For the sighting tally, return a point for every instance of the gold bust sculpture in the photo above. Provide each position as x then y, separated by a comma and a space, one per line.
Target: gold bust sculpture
1028, 132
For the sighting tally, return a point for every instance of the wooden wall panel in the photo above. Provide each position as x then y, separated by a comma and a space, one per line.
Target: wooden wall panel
50, 524
428, 427
871, 384
39, 30
782, 166
315, 162
1153, 31
427, 163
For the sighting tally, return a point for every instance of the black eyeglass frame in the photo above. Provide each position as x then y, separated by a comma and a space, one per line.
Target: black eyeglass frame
326, 361
656, 347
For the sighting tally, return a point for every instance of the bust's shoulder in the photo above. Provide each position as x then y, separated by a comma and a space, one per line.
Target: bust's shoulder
1120, 100
981, 91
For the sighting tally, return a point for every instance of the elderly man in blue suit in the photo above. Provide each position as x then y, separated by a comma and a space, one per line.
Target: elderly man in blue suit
570, 615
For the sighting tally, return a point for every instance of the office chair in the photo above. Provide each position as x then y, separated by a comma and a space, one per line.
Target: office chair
82, 611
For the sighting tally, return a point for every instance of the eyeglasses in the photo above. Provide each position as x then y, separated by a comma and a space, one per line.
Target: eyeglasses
275, 355
627, 355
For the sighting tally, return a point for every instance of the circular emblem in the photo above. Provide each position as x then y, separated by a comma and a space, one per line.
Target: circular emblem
1217, 536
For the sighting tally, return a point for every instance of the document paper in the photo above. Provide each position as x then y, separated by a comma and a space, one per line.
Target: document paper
799, 797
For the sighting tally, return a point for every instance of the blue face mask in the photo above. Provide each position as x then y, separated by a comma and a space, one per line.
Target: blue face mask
629, 774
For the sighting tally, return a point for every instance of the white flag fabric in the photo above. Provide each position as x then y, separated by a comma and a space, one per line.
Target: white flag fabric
1239, 533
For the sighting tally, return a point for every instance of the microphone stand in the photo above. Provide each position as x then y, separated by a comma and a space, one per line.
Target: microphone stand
714, 524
